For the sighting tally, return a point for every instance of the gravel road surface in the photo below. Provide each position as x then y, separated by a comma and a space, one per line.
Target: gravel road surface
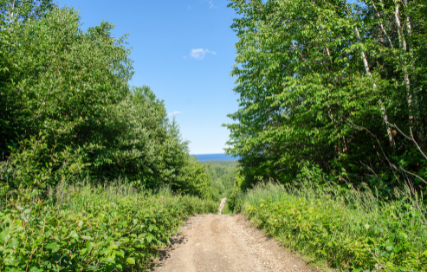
216, 242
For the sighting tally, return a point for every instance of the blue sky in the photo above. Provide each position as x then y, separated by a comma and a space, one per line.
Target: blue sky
183, 50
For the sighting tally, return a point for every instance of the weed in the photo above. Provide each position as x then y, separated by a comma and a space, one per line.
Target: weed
91, 228
352, 229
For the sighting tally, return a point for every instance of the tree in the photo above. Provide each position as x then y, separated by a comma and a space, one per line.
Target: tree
326, 82
68, 112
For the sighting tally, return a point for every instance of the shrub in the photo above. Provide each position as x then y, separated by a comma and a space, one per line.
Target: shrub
67, 110
351, 229
91, 228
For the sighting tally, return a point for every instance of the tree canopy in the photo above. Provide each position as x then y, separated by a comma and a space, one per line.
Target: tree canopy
331, 84
67, 111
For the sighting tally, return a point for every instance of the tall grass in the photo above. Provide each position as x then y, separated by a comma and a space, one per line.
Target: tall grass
272, 191
350, 229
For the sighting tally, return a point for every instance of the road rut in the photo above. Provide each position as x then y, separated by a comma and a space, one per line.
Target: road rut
217, 242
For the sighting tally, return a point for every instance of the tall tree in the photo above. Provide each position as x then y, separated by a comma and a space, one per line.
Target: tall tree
67, 111
329, 82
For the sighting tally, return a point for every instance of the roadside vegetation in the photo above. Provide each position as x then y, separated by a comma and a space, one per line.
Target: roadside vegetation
353, 230
339, 84
223, 175
331, 133
68, 113
80, 227
331, 128
84, 157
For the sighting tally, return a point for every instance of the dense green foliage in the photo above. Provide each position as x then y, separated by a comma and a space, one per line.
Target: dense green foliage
67, 114
334, 92
222, 174
350, 230
333, 105
339, 85
67, 111
92, 228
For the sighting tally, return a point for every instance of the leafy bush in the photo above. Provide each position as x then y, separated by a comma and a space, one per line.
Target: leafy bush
67, 110
89, 228
351, 229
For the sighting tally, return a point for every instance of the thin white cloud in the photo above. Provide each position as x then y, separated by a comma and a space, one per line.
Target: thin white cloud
174, 113
210, 3
200, 53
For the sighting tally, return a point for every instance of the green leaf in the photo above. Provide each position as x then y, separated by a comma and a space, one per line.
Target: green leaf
4, 236
121, 253
130, 260
74, 234
53, 246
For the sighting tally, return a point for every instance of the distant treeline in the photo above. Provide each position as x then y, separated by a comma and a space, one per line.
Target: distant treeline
332, 87
67, 112
223, 175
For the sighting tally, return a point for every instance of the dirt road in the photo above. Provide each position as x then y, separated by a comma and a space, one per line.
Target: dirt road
217, 242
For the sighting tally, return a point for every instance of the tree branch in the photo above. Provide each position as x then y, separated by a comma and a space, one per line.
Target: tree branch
410, 138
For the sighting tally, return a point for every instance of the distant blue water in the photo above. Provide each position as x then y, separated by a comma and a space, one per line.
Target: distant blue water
214, 157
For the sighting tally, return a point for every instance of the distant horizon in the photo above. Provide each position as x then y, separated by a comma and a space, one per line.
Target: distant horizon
215, 157
192, 46
208, 154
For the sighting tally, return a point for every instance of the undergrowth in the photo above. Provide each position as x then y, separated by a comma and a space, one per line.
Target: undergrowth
351, 229
91, 228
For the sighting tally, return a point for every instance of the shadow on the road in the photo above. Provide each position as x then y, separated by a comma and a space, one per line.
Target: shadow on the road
164, 252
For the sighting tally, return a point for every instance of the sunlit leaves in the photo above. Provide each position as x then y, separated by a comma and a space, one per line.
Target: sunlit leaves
352, 230
67, 110
98, 229
308, 71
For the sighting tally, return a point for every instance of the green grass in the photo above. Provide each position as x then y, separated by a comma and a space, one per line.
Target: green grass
226, 209
349, 229
91, 228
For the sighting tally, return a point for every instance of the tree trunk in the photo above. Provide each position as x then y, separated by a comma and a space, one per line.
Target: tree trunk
419, 129
383, 112
403, 50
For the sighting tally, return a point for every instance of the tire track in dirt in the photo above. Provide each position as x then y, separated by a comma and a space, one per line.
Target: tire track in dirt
215, 242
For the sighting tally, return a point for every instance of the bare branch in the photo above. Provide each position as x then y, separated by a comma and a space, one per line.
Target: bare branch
410, 138
410, 173
369, 168
368, 72
392, 166
11, 13
382, 26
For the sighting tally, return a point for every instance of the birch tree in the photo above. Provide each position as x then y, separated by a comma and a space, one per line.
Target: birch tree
328, 82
